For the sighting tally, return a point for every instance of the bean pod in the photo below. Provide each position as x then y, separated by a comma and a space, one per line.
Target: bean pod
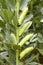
25, 51
25, 39
22, 16
24, 28
13, 38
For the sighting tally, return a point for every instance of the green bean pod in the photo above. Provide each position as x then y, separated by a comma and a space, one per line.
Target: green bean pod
13, 38
25, 39
17, 5
24, 28
25, 51
22, 16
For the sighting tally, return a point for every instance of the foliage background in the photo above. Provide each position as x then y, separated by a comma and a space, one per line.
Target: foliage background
35, 15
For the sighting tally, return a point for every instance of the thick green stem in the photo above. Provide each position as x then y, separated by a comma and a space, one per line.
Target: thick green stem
17, 56
17, 31
17, 51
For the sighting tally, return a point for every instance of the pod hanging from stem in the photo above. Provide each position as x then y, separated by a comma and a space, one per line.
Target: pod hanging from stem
25, 51
25, 39
13, 38
17, 5
22, 16
24, 28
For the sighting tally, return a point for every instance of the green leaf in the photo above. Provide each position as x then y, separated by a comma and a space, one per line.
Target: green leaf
6, 15
40, 38
21, 63
40, 51
12, 56
28, 17
29, 60
23, 4
11, 4
2, 23
15, 19
1, 36
3, 4
3, 54
34, 63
